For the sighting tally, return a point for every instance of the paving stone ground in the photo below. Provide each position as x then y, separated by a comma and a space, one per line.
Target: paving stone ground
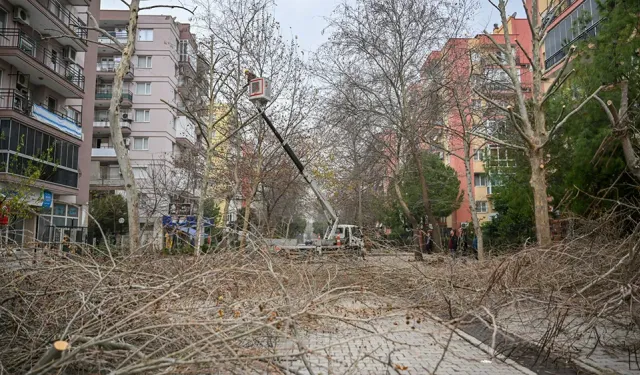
608, 350
397, 349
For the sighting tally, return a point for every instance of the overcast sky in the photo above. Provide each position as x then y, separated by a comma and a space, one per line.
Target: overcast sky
305, 18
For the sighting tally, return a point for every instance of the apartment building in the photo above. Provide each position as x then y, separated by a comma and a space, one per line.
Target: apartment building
46, 108
566, 22
467, 64
164, 66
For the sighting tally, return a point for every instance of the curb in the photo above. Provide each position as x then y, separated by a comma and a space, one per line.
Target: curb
579, 361
480, 345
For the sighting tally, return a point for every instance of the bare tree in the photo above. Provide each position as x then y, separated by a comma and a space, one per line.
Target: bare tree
528, 116
373, 61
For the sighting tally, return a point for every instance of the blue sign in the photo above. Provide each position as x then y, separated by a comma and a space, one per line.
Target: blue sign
47, 199
64, 124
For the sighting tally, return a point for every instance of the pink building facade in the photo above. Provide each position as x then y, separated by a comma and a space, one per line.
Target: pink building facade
465, 64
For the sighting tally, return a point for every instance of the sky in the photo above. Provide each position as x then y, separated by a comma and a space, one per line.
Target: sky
305, 18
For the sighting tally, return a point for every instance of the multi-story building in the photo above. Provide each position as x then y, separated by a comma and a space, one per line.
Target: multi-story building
47, 80
165, 63
471, 65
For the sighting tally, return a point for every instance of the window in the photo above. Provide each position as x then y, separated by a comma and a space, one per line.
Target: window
480, 179
479, 155
31, 150
101, 115
500, 156
143, 88
476, 103
3, 20
573, 27
489, 188
145, 35
140, 172
140, 143
142, 115
475, 57
144, 62
481, 206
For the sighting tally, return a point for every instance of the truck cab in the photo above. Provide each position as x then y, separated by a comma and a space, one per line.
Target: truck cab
350, 236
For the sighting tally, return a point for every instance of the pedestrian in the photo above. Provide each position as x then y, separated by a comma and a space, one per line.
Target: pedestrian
474, 245
428, 242
453, 243
462, 241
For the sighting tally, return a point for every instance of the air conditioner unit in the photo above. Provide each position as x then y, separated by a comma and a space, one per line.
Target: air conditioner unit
127, 142
24, 92
21, 15
19, 103
464, 225
125, 116
22, 81
69, 54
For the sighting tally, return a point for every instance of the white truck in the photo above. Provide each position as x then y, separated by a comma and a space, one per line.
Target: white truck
337, 236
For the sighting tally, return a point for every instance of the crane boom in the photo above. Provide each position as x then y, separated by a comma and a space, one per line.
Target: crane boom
329, 212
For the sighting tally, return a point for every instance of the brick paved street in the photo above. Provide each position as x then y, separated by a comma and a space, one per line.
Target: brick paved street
397, 349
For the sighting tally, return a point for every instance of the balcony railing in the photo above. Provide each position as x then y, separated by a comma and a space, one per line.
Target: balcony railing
111, 67
559, 55
17, 101
120, 36
107, 181
15, 38
185, 129
103, 152
103, 123
75, 24
106, 94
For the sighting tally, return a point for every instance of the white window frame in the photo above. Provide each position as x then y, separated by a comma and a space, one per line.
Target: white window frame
480, 179
143, 88
148, 62
145, 35
146, 117
479, 155
145, 143
482, 206
139, 172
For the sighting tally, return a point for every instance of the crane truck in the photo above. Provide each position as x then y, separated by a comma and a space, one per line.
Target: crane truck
337, 236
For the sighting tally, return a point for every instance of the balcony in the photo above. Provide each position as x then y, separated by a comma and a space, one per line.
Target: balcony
103, 154
107, 183
107, 71
104, 95
185, 132
16, 101
51, 15
37, 62
106, 43
101, 126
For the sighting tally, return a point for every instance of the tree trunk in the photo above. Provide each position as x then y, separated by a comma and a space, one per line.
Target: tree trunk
246, 218
207, 164
288, 226
541, 206
359, 220
412, 220
437, 238
133, 202
630, 156
477, 229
